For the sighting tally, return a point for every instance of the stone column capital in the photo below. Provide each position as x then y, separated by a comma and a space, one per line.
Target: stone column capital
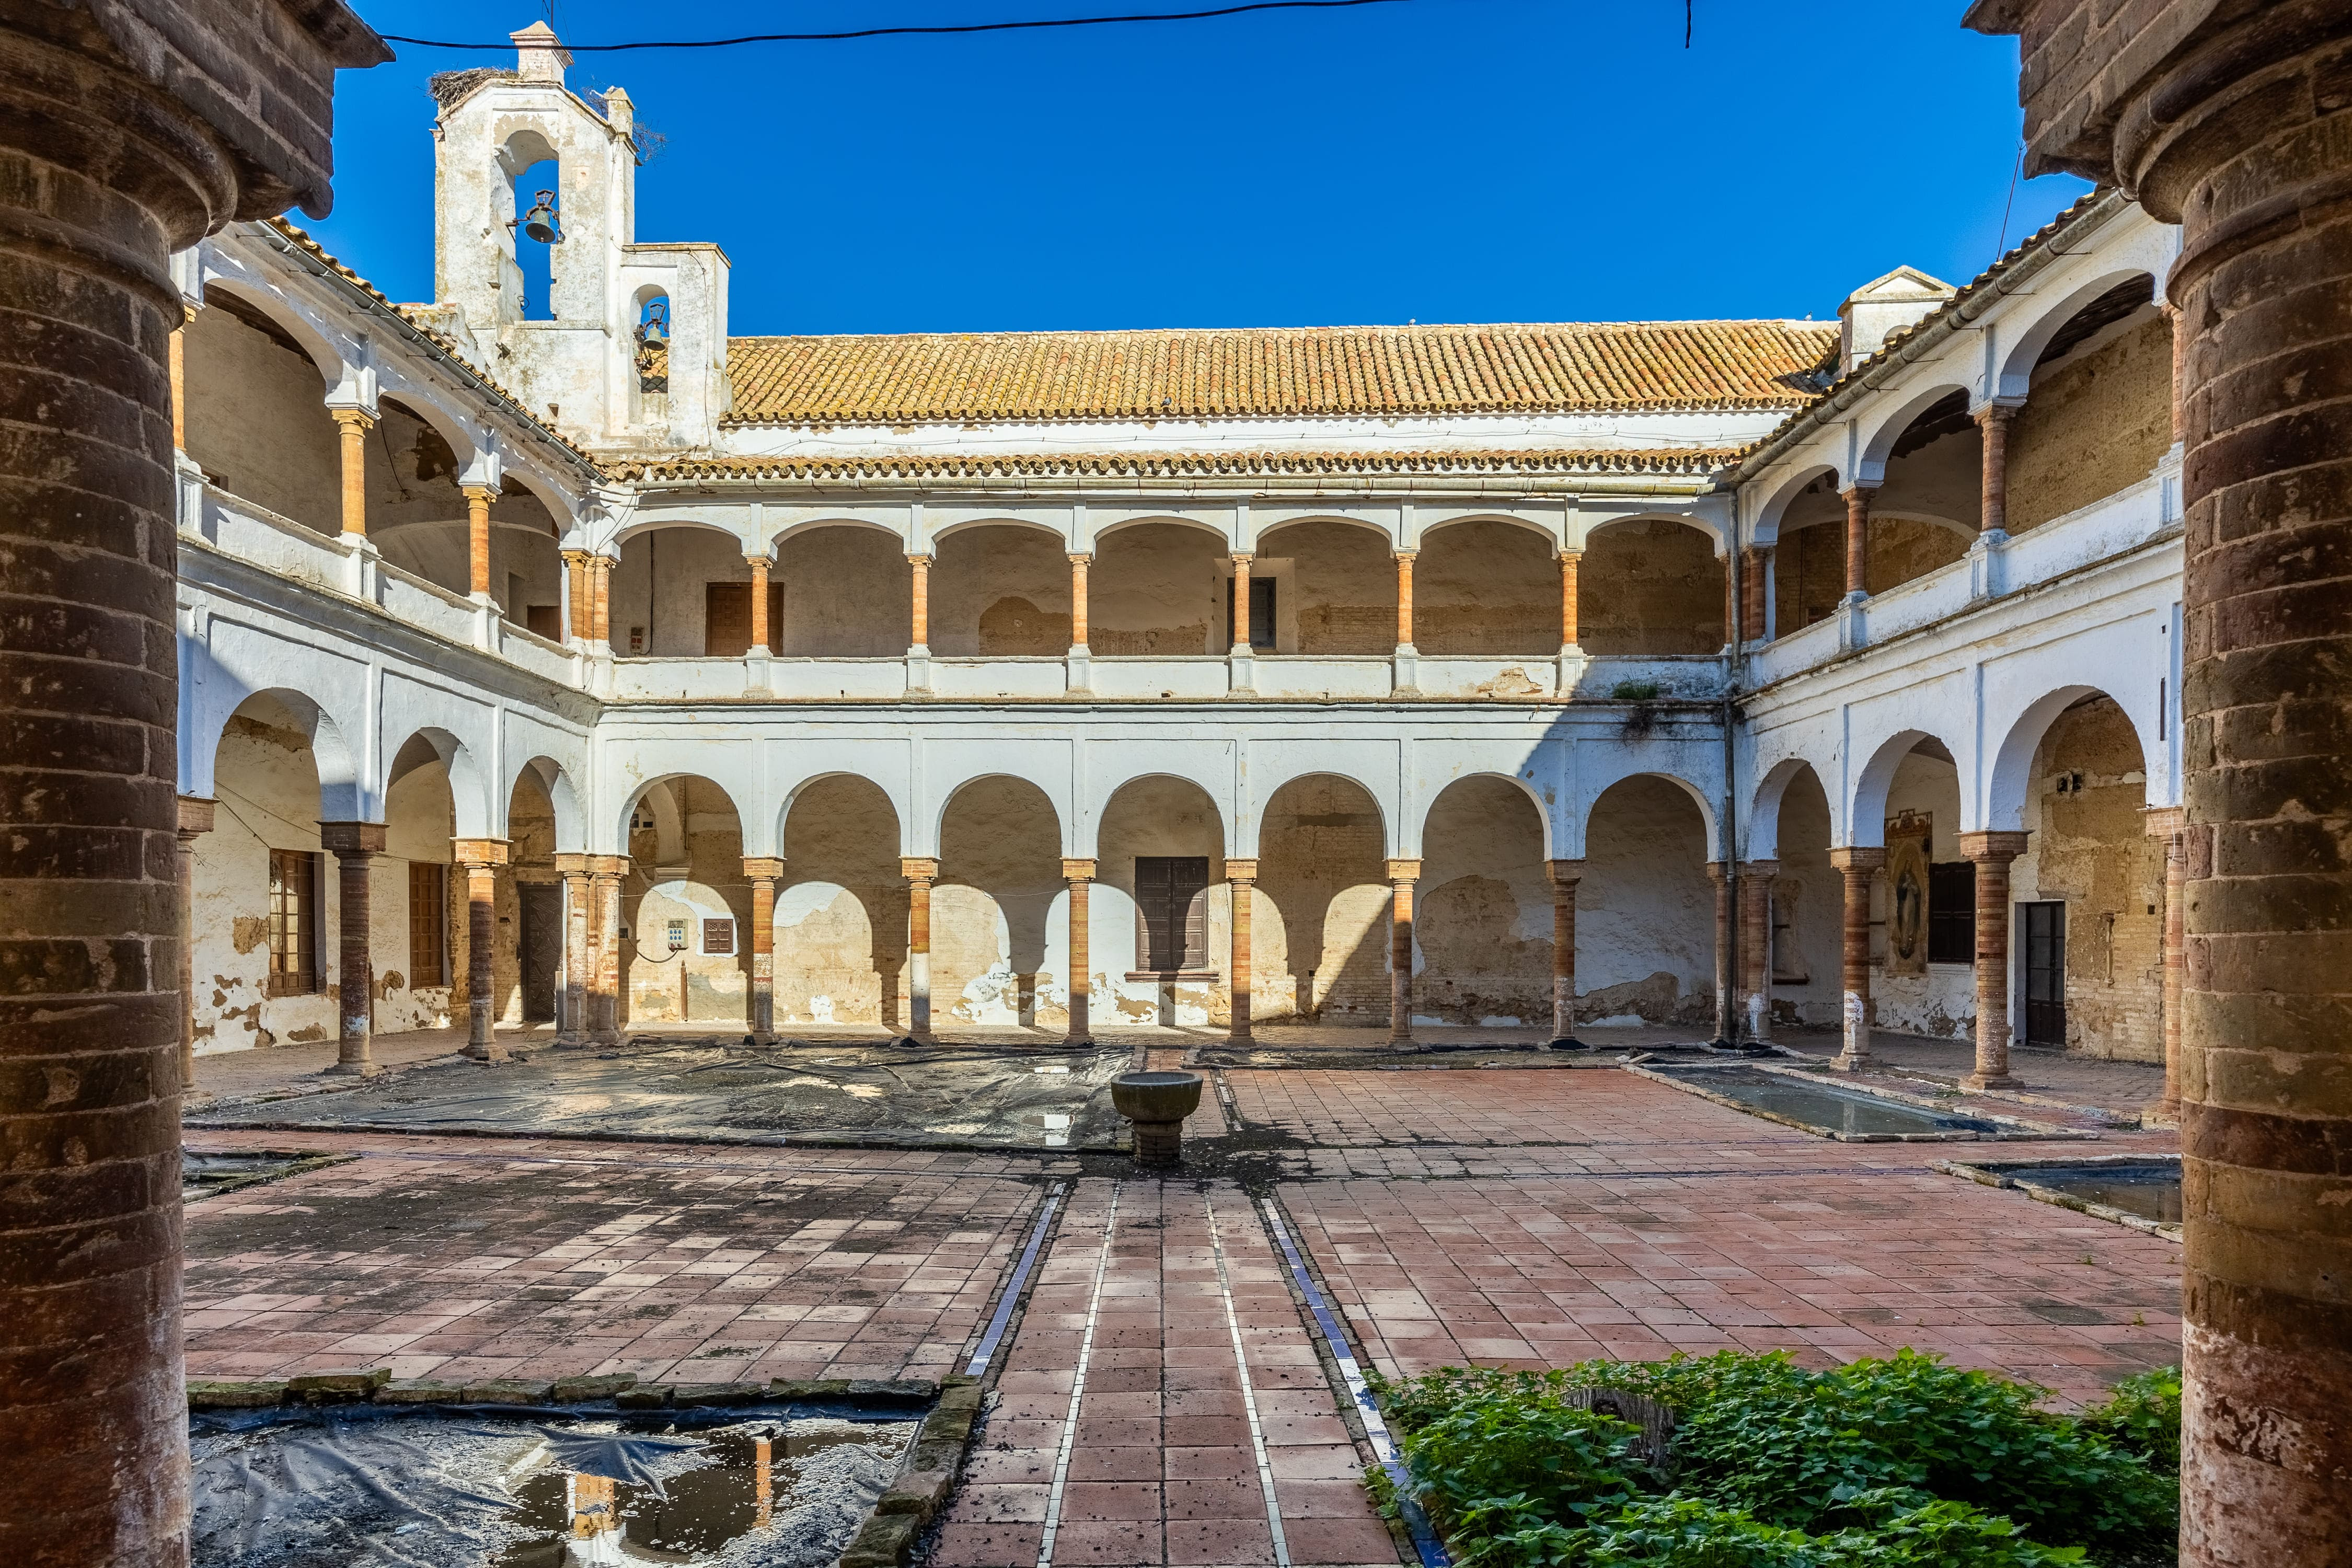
572, 865
1078, 870
1079, 557
1240, 870
1565, 874
352, 838
1567, 554
483, 493
763, 867
196, 815
759, 558
2000, 848
914, 559
478, 854
1241, 557
609, 866
1760, 868
1404, 871
349, 418
918, 869
2164, 821
1859, 858
1405, 554
1860, 490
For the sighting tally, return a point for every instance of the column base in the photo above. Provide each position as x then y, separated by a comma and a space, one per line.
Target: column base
1406, 1046
351, 1069
1086, 1040
1978, 1082
2160, 1113
1844, 1062
1566, 1043
491, 1053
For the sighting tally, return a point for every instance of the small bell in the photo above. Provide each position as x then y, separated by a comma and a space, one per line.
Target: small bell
657, 323
540, 222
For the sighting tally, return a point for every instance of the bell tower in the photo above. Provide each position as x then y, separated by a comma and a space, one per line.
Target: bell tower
538, 270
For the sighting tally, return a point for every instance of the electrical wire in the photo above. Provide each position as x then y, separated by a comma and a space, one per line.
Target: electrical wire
506, 44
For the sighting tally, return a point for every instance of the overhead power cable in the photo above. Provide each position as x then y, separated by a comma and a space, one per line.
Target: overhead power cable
506, 44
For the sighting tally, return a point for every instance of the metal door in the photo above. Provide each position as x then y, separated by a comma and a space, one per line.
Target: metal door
543, 948
2045, 973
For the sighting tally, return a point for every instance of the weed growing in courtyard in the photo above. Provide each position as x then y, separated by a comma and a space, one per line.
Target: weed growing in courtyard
1905, 1461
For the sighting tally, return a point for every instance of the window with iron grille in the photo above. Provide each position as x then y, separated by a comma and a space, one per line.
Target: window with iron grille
293, 922
428, 923
1171, 897
1952, 913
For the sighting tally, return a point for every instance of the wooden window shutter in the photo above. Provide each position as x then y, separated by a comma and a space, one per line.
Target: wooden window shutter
726, 619
1196, 929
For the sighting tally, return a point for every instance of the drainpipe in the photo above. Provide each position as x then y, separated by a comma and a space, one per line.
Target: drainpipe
1728, 981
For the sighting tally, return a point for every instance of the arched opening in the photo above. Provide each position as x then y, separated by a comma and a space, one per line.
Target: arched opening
1923, 979
534, 200
1331, 589
1160, 922
1646, 910
257, 415
1000, 591
416, 901
1000, 952
1650, 586
842, 591
841, 910
1806, 905
2099, 416
527, 965
1482, 914
417, 517
1486, 587
649, 366
683, 591
1321, 865
686, 910
2086, 948
1925, 515
1157, 588
1809, 562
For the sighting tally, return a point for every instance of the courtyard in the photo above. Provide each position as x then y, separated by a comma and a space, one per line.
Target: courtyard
1157, 1384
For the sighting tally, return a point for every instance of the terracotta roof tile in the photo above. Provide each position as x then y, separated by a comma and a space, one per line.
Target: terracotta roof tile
948, 467
1273, 371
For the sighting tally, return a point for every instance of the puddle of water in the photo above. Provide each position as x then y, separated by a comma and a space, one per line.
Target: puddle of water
2150, 1191
489, 1490
1848, 1111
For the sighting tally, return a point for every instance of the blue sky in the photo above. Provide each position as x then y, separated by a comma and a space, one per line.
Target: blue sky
1437, 160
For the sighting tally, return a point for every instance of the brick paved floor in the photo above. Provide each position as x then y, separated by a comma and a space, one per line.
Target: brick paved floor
1162, 1464
466, 1259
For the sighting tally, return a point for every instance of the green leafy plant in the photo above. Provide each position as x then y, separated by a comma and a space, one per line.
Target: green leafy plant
2142, 1415
1905, 1461
1634, 692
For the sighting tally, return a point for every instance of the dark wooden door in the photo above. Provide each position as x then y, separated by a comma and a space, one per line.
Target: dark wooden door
541, 949
1171, 909
2045, 973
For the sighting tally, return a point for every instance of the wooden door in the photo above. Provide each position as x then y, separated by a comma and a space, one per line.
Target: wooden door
2045, 973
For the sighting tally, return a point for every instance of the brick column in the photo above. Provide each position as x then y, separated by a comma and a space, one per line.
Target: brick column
1857, 539
131, 132
1857, 866
920, 873
920, 623
481, 858
1755, 562
1402, 875
1568, 630
1992, 509
354, 845
1724, 980
1991, 853
600, 600
195, 821
1405, 560
1078, 875
577, 610
763, 872
1241, 606
1078, 602
179, 357
761, 633
1756, 947
1565, 875
604, 874
578, 894
478, 540
1241, 875
2170, 823
351, 425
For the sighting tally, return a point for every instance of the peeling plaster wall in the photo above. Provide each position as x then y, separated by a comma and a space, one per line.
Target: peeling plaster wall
999, 950
2096, 422
1325, 954
660, 985
268, 792
1001, 591
2090, 848
1486, 587
659, 586
1344, 584
1808, 900
1652, 587
1941, 1002
841, 910
848, 594
257, 421
1646, 910
1157, 588
1482, 913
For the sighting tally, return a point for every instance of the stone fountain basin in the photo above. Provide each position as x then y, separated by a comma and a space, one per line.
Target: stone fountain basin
1156, 1095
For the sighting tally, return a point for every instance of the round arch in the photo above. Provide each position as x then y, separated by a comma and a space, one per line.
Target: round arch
801, 787
669, 822
2016, 376
1245, 835
1133, 780
1764, 810
571, 820
1865, 811
1871, 466
776, 537
2009, 781
662, 520
1046, 792
1708, 819
1584, 534
426, 411
1026, 524
1257, 536
342, 798
469, 788
320, 350
1542, 530
1169, 519
1766, 527
1521, 787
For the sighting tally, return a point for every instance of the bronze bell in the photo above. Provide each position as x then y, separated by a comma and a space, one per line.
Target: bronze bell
540, 222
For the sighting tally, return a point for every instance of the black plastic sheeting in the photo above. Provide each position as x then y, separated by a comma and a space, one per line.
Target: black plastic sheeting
449, 1488
910, 1096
